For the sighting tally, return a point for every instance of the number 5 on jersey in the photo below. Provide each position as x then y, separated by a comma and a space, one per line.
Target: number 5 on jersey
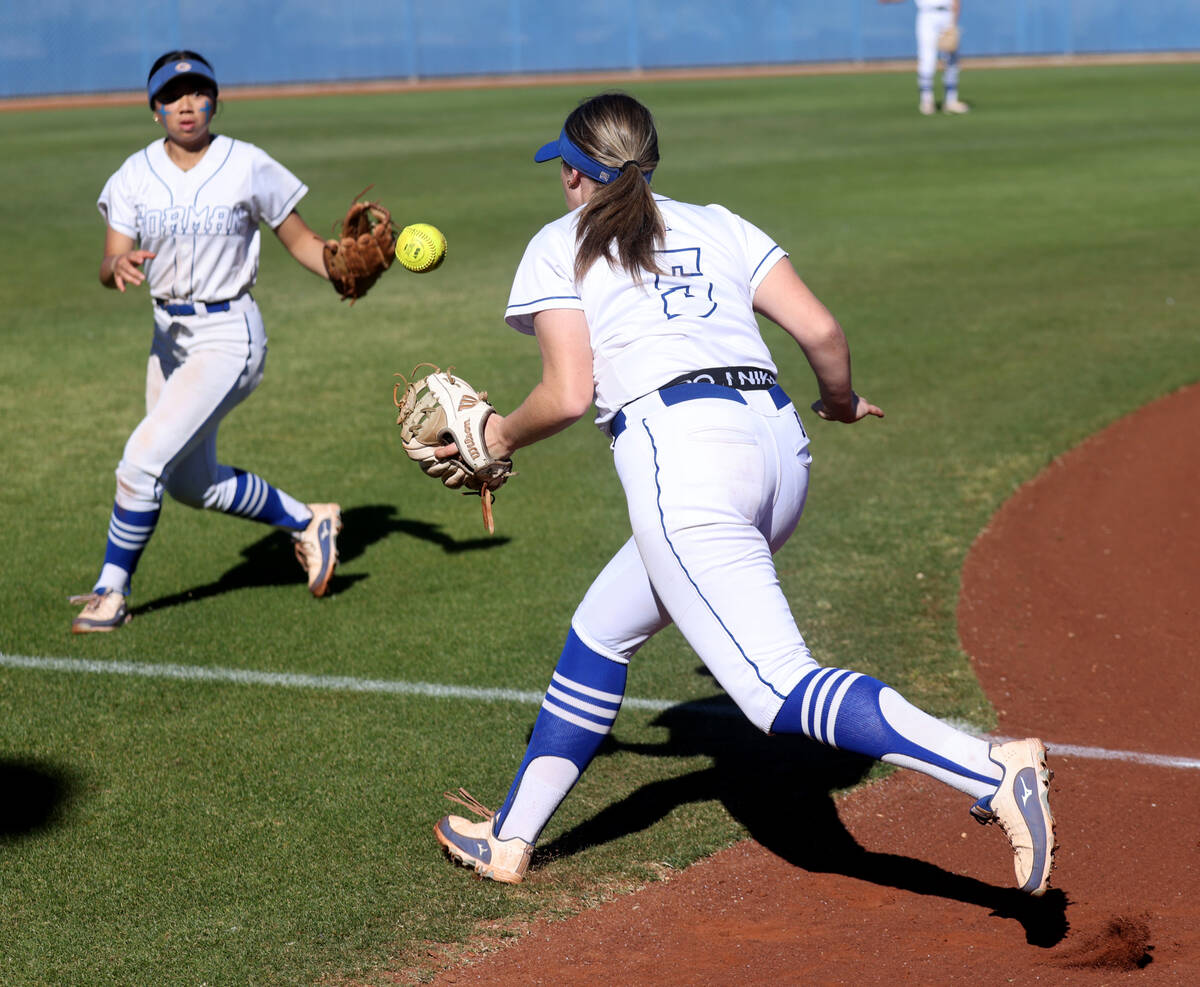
689, 298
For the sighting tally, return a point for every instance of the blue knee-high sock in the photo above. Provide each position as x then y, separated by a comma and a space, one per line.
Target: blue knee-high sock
577, 713
950, 76
253, 497
857, 713
128, 533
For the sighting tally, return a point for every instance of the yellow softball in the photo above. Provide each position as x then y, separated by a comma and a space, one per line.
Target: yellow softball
421, 247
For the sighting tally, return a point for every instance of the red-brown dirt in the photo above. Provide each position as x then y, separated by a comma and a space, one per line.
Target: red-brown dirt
1079, 611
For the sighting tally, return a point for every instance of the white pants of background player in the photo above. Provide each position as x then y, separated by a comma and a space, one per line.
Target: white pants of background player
200, 368
931, 22
714, 487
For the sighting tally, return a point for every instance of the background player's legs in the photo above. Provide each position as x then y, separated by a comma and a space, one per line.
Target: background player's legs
185, 405
950, 80
950, 76
195, 477
927, 57
191, 384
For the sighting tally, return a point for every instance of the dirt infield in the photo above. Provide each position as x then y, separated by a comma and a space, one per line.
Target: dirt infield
1079, 609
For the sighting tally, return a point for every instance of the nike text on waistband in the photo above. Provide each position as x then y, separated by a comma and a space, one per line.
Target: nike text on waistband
187, 308
677, 393
740, 378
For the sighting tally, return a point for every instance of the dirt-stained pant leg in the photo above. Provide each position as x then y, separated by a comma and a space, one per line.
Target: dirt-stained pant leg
200, 368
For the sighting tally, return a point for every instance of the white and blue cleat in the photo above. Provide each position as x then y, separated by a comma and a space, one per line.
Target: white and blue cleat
1021, 805
103, 610
316, 546
474, 845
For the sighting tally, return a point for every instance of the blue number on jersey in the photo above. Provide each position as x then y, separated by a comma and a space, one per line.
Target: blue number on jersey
694, 300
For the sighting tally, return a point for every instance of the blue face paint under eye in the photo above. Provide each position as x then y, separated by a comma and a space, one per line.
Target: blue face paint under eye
206, 109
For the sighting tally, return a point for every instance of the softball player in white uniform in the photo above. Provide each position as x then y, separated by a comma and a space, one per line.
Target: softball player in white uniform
646, 306
187, 209
933, 17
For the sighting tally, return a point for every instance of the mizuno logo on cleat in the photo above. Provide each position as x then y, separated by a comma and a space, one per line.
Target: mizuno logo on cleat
1026, 791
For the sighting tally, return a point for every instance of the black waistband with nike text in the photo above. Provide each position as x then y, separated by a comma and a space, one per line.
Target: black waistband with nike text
739, 378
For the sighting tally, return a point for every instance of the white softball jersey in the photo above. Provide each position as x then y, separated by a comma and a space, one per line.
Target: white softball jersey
202, 224
700, 315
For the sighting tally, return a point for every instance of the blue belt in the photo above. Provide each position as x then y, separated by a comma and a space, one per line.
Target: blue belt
690, 392
187, 308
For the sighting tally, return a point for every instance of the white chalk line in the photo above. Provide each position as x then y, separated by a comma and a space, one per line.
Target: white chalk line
341, 683
291, 680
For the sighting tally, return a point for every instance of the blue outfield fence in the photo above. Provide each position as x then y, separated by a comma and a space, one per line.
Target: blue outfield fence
72, 46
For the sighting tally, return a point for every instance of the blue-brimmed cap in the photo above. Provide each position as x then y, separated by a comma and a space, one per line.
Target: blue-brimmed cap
569, 151
173, 70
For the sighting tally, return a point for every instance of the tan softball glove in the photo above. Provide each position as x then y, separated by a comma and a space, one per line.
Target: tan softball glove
438, 409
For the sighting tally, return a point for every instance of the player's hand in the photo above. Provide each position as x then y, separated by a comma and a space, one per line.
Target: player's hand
858, 409
127, 268
493, 439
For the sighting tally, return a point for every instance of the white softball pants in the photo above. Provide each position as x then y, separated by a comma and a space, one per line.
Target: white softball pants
200, 368
930, 23
713, 487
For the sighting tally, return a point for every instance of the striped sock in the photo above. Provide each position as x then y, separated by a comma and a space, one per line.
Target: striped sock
250, 496
577, 714
128, 533
857, 713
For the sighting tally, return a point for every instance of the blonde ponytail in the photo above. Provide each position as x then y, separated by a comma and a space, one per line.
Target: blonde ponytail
618, 131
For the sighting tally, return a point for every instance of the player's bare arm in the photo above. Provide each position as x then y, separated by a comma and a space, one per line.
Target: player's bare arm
786, 300
122, 263
303, 243
564, 393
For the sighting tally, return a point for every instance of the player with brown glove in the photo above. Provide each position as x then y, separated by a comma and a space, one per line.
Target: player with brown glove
938, 36
441, 410
363, 249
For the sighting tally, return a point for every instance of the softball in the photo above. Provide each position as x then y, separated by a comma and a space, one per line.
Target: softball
421, 248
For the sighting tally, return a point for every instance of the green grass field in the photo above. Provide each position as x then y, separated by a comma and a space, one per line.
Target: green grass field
1011, 282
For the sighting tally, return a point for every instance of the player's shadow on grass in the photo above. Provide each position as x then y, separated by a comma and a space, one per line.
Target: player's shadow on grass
271, 561
34, 797
780, 788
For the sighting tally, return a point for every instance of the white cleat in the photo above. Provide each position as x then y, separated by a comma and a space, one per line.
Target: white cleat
316, 546
956, 106
104, 610
1021, 805
926, 106
473, 844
